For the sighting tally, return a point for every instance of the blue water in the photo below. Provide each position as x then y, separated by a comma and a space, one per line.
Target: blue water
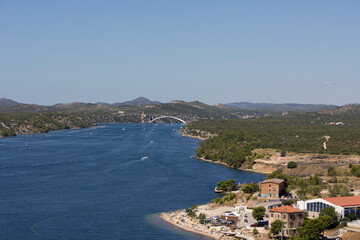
97, 183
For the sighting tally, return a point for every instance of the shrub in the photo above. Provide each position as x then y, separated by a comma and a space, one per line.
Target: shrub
292, 164
351, 216
331, 171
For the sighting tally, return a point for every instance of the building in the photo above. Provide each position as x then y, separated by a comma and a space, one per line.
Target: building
272, 188
291, 217
343, 205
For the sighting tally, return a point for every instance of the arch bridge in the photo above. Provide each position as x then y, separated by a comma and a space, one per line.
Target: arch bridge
176, 118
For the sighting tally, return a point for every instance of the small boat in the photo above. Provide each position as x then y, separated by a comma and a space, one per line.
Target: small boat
123, 129
145, 157
26, 143
151, 141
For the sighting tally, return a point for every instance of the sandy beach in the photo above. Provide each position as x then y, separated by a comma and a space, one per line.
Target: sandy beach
181, 220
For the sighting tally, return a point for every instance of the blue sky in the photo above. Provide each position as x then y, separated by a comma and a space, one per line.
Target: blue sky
211, 51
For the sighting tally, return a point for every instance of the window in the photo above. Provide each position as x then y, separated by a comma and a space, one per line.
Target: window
278, 215
299, 224
272, 215
269, 185
284, 216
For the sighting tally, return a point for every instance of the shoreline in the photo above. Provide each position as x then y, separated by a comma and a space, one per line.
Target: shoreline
192, 226
161, 215
226, 165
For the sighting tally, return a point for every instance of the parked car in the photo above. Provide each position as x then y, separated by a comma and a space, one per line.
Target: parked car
260, 224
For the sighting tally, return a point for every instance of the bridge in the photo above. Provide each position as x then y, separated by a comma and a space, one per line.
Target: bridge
176, 118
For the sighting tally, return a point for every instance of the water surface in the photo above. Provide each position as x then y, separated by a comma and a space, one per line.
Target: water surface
103, 183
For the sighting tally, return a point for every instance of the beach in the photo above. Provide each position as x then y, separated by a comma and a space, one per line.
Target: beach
181, 220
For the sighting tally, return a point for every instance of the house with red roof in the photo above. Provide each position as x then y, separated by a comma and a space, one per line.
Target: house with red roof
291, 217
343, 205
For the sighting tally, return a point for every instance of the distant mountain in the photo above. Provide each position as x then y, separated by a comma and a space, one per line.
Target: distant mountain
4, 102
141, 101
193, 109
293, 107
103, 103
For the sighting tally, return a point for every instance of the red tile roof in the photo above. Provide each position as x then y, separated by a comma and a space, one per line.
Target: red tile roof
344, 201
286, 209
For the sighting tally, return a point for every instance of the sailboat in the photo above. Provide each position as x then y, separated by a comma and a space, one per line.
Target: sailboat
26, 143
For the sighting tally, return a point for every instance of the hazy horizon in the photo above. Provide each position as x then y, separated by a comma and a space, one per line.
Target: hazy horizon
177, 100
215, 52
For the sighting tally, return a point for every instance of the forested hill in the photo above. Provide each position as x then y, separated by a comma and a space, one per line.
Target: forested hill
292, 107
234, 140
31, 118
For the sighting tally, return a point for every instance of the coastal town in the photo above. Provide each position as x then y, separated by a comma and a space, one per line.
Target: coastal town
268, 210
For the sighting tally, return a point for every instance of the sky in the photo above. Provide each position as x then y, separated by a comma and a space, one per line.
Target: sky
274, 51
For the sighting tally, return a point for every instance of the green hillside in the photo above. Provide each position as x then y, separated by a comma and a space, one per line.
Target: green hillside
297, 132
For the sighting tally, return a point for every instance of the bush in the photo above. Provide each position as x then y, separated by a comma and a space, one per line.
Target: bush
292, 164
229, 197
255, 231
288, 202
351, 216
331, 171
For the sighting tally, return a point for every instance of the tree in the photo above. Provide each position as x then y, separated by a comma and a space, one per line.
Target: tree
255, 231
202, 218
292, 164
250, 187
330, 211
190, 213
311, 229
228, 185
276, 227
258, 212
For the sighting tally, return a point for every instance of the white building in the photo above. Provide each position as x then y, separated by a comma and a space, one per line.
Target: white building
343, 205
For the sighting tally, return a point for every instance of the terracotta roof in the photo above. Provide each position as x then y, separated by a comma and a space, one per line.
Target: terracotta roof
274, 180
286, 209
344, 201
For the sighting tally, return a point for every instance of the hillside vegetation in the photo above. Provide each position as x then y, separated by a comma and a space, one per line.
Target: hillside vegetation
234, 140
31, 118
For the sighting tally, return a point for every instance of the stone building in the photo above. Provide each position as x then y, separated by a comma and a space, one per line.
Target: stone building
291, 217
